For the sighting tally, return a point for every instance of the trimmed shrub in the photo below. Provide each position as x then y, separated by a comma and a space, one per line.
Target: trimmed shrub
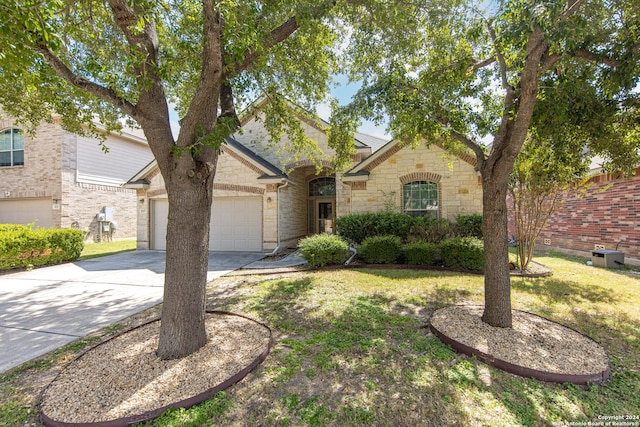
381, 249
21, 246
465, 253
419, 253
322, 249
432, 230
470, 225
359, 227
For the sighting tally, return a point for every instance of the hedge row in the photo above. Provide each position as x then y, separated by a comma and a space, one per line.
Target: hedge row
465, 253
358, 227
21, 246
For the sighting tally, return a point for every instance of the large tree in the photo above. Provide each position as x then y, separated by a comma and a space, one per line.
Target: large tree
108, 60
460, 72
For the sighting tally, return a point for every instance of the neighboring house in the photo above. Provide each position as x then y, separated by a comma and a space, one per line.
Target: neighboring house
266, 198
60, 179
604, 214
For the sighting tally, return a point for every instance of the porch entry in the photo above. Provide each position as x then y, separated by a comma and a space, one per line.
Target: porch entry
321, 205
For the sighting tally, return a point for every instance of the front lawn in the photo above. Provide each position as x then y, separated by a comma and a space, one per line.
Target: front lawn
352, 348
95, 250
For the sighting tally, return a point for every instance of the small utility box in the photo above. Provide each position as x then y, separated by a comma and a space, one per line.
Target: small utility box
607, 258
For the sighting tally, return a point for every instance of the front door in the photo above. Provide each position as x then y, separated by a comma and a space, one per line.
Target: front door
324, 217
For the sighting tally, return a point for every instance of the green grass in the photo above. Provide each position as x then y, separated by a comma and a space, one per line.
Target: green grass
95, 250
352, 349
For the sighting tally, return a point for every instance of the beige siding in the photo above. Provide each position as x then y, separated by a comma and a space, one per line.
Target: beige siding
460, 190
123, 160
51, 171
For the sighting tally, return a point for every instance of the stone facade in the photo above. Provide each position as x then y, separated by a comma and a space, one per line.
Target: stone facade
50, 173
250, 165
459, 189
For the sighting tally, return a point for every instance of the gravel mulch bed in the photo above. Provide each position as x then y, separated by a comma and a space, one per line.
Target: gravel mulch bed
533, 342
123, 377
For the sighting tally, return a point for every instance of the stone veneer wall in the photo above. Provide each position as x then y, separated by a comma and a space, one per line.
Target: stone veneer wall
606, 213
234, 177
460, 191
293, 213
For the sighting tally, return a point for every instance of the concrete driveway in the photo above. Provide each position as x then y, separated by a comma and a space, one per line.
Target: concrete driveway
43, 309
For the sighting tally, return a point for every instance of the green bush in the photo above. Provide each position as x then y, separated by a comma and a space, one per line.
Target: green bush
359, 227
420, 253
381, 249
470, 225
323, 249
432, 230
13, 227
21, 246
466, 253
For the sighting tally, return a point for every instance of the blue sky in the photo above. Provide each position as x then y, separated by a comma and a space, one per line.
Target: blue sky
343, 90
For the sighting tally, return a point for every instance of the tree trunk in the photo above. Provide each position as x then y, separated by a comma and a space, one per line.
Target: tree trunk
190, 191
497, 283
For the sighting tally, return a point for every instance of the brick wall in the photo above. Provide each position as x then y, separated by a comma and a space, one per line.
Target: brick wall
81, 202
605, 212
39, 177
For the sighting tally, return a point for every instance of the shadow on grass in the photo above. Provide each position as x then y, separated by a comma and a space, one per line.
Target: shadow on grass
370, 364
553, 290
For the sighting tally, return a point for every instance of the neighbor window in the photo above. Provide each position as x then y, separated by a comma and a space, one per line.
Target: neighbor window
420, 198
11, 147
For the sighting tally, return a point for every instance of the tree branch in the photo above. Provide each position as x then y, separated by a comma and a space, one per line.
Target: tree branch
481, 64
500, 59
203, 109
572, 7
275, 37
96, 89
590, 56
125, 18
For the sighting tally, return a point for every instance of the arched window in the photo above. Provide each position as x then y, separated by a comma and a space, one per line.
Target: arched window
420, 198
11, 147
322, 187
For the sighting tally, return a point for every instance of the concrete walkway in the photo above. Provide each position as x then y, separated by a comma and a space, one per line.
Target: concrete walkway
43, 309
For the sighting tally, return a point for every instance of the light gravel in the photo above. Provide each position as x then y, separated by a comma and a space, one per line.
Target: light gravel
123, 377
533, 342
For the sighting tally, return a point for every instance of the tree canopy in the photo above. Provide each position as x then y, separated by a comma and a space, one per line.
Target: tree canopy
115, 60
481, 76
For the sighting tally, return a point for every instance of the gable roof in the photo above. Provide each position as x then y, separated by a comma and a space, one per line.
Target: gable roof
317, 122
253, 160
362, 169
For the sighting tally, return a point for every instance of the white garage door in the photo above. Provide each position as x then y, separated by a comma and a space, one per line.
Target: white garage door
27, 211
236, 224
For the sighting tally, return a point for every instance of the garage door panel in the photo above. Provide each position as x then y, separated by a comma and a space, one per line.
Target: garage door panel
160, 209
27, 211
236, 224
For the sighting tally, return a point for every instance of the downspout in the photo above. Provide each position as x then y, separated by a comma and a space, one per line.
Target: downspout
277, 248
352, 249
